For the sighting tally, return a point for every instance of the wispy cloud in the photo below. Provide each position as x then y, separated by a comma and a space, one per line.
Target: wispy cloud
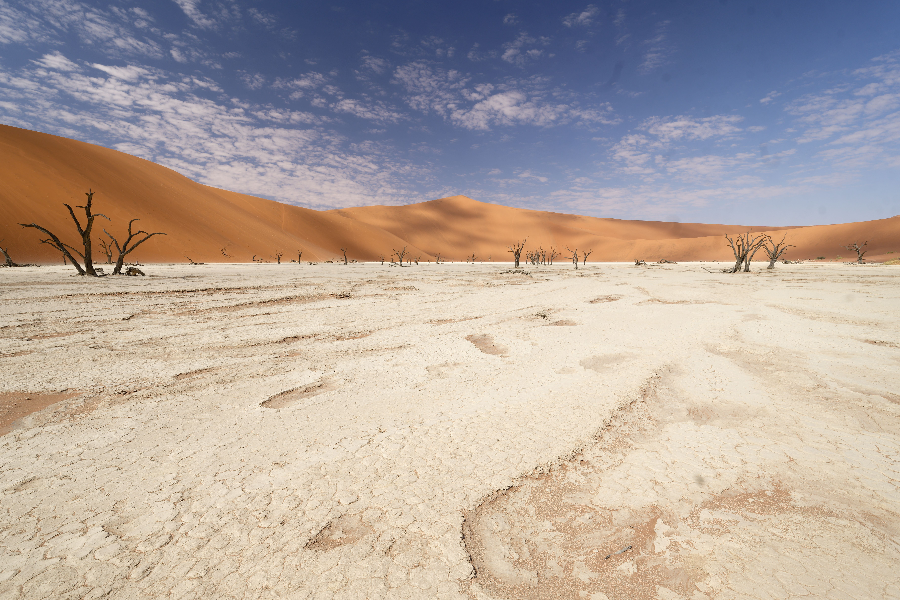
658, 50
671, 129
253, 81
583, 18
528, 175
169, 120
302, 85
482, 106
523, 49
859, 122
57, 62
650, 154
192, 10
375, 64
371, 111
770, 97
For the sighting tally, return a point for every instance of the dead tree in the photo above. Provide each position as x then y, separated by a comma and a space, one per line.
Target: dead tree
437, 258
471, 258
344, 250
9, 261
859, 251
299, 256
107, 250
552, 254
278, 256
128, 247
382, 259
573, 256
745, 246
639, 262
84, 232
776, 250
516, 250
400, 254
586, 254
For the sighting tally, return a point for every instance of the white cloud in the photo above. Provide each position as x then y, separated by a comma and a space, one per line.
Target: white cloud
518, 51
57, 62
129, 73
583, 18
770, 97
438, 46
528, 175
663, 151
165, 118
482, 106
658, 50
510, 19
192, 10
372, 112
253, 81
377, 65
671, 129
17, 26
859, 119
303, 85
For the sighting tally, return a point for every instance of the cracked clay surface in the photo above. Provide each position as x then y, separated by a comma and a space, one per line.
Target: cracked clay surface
330, 431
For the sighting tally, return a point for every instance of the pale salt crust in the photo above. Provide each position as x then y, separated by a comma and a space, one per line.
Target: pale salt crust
362, 431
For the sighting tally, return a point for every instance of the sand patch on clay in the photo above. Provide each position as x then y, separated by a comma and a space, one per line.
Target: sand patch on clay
16, 405
485, 343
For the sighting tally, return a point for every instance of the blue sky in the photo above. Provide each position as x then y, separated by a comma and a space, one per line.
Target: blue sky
707, 111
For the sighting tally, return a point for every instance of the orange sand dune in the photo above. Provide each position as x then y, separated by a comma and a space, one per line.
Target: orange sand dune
41, 171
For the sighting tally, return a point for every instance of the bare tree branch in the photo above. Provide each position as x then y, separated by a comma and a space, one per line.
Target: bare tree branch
776, 250
516, 250
859, 251
9, 261
573, 256
125, 249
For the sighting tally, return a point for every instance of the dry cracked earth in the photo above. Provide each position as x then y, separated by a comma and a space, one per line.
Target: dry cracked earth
450, 431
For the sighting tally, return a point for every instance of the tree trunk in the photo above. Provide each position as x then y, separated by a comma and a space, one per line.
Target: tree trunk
771, 263
119, 262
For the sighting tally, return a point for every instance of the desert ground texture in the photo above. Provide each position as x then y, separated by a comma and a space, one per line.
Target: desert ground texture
451, 431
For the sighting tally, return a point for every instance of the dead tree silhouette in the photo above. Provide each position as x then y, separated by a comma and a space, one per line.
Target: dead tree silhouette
516, 250
573, 256
776, 250
128, 247
107, 250
84, 232
400, 254
745, 246
859, 251
9, 261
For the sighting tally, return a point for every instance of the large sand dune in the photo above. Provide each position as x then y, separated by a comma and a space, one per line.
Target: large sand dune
41, 171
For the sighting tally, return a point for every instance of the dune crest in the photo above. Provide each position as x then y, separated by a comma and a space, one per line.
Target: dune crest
206, 224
